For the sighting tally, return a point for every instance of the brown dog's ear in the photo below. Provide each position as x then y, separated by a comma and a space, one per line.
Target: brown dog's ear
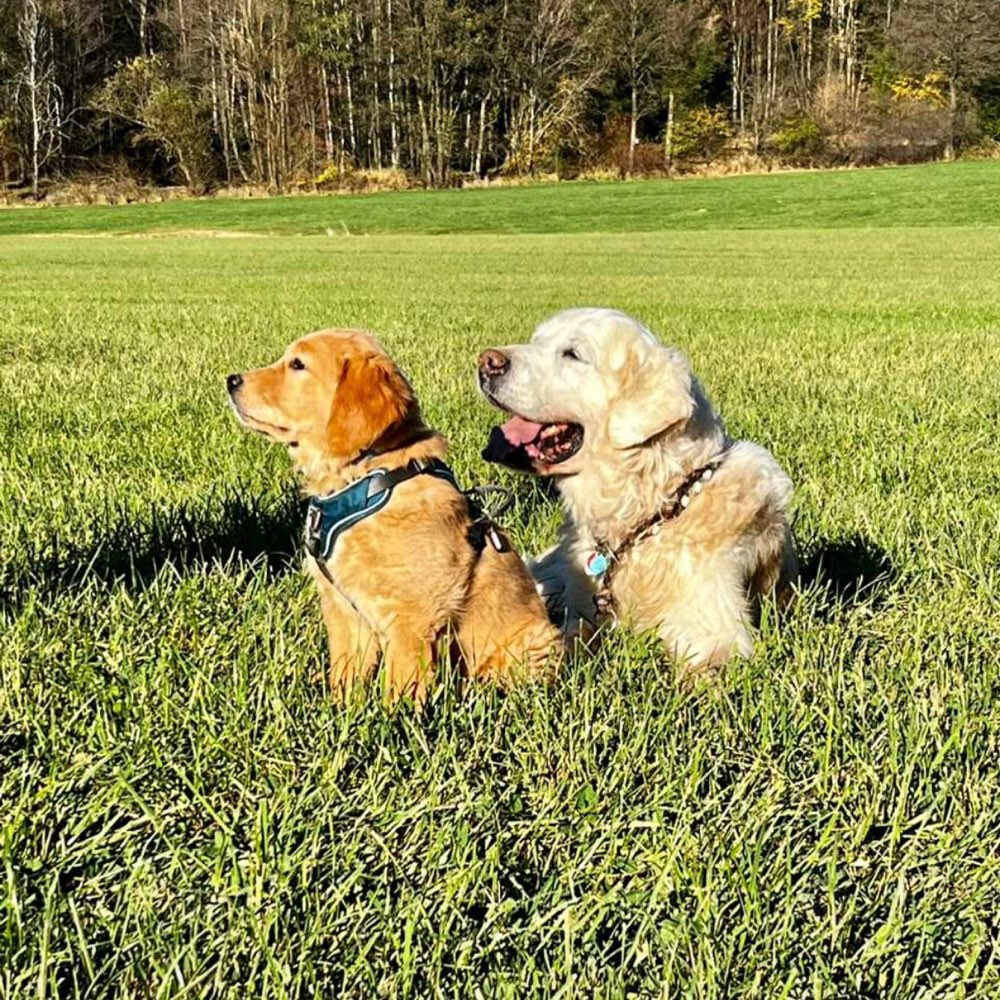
655, 394
372, 397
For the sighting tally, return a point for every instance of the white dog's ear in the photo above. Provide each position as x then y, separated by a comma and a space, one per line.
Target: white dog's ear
654, 394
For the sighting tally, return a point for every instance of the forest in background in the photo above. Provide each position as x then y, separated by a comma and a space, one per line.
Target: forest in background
314, 94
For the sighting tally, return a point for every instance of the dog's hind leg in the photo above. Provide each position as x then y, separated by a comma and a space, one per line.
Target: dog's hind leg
503, 632
774, 565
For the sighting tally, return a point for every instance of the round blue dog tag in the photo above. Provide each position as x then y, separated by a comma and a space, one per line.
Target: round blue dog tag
597, 564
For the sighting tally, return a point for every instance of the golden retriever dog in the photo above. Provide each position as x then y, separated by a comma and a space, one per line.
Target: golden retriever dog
406, 565
670, 524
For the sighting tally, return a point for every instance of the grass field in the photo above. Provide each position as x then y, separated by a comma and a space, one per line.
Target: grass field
184, 813
963, 194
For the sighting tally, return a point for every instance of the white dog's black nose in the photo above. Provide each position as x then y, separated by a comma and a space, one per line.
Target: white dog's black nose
234, 381
493, 363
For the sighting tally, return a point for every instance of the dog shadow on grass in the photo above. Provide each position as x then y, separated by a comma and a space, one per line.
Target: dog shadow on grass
235, 531
241, 530
849, 571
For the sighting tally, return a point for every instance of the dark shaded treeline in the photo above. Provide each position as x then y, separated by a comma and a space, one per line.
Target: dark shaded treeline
286, 92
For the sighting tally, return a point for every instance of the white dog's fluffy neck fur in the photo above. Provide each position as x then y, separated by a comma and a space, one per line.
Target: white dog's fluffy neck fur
610, 494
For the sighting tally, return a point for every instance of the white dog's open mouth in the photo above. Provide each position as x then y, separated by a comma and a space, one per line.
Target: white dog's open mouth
526, 443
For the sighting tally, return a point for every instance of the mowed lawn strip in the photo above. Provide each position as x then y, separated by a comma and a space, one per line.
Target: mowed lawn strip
184, 812
961, 194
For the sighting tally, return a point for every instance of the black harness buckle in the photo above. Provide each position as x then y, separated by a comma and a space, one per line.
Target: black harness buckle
484, 521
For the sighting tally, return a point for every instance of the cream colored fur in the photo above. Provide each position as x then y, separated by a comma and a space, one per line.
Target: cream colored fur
648, 424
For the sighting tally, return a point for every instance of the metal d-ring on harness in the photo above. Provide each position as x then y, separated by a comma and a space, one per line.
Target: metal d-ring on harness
330, 515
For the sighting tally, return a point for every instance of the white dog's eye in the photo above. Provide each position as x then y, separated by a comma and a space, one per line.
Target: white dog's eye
571, 354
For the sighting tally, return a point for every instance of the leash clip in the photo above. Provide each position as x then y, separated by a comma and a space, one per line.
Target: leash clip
484, 524
314, 522
478, 496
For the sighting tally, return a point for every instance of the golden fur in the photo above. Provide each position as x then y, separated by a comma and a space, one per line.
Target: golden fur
407, 582
647, 425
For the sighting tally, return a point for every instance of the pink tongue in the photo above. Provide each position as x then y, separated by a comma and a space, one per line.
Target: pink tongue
519, 431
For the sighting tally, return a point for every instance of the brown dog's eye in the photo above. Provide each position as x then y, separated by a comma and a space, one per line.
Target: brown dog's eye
296, 364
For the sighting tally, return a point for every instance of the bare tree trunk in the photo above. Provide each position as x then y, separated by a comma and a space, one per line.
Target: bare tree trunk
376, 127
633, 127
531, 131
183, 31
467, 141
230, 109
844, 44
425, 144
738, 68
831, 39
809, 54
478, 168
850, 55
350, 113
949, 149
443, 139
30, 37
770, 86
668, 135
393, 124
633, 79
328, 147
218, 115
31, 17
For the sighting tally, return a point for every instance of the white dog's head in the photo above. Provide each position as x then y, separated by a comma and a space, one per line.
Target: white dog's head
589, 380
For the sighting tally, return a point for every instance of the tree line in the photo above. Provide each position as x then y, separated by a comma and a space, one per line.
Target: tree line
282, 93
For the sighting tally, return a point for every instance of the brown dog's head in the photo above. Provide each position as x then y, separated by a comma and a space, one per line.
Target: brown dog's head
333, 394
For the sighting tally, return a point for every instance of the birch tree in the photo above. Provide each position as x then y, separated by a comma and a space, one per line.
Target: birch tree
35, 91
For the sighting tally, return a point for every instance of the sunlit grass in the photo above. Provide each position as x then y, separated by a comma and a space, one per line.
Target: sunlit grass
954, 194
183, 811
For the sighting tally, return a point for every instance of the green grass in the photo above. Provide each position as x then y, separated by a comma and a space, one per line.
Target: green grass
184, 813
933, 195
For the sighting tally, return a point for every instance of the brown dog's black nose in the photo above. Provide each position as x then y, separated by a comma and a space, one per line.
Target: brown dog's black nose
234, 381
493, 362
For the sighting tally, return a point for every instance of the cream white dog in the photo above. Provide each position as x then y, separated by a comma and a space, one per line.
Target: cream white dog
670, 525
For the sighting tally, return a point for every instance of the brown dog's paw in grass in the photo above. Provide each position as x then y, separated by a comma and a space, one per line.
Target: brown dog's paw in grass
408, 570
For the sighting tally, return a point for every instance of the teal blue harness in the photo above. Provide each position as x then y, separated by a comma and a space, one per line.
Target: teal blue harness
329, 516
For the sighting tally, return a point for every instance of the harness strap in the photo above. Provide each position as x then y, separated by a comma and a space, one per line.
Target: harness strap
329, 516
381, 481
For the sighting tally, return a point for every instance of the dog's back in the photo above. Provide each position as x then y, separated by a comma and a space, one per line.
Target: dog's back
504, 631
